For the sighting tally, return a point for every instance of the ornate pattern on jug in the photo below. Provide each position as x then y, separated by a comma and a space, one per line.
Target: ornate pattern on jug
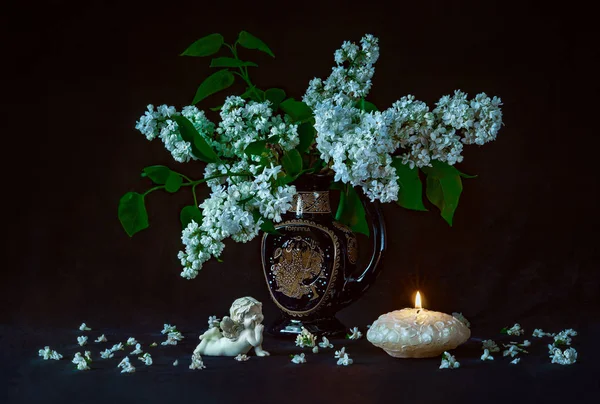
311, 202
307, 265
298, 265
350, 242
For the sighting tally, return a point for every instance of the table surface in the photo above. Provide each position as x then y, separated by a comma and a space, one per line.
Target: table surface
374, 376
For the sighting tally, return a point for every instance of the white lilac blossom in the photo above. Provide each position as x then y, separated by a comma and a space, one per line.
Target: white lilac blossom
167, 328
515, 361
106, 354
539, 333
146, 358
229, 212
117, 347
354, 333
305, 339
564, 337
325, 343
126, 366
344, 360
350, 80
358, 145
82, 340
101, 338
84, 327
462, 319
172, 338
514, 330
244, 122
131, 341
213, 322
449, 361
513, 350
526, 343
137, 350
489, 345
242, 358
486, 355
315, 349
566, 357
299, 359
82, 361
153, 344
176, 362
197, 362
339, 354
161, 123
48, 353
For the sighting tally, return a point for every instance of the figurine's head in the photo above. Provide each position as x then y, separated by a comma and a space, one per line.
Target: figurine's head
246, 310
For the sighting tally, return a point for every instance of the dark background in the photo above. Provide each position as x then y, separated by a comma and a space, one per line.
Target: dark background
523, 247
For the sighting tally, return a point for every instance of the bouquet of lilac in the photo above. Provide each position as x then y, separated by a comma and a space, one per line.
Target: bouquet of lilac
262, 141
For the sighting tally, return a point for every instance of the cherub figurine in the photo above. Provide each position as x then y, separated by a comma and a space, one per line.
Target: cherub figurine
236, 334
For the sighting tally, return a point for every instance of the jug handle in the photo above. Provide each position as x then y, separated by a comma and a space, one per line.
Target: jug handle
359, 284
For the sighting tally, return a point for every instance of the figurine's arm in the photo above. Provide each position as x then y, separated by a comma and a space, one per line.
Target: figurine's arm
257, 339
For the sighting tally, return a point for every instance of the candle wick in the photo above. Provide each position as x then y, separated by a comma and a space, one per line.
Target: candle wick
418, 311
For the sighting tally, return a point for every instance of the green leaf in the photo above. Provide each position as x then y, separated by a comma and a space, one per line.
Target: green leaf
205, 46
249, 41
254, 93
306, 134
256, 148
132, 213
189, 213
200, 147
297, 110
216, 108
444, 187
351, 211
158, 174
267, 225
410, 194
365, 105
292, 163
212, 84
275, 95
230, 62
174, 182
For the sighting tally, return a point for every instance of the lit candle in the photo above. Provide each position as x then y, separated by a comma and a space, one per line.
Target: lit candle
417, 332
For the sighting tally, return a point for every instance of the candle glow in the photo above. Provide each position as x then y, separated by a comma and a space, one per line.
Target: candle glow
418, 301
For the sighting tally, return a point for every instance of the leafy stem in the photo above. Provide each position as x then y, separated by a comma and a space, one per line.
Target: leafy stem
193, 184
243, 73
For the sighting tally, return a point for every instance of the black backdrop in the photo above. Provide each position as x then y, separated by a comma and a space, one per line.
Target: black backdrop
523, 244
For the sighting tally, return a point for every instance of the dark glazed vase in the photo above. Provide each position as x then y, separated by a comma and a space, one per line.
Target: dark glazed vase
312, 267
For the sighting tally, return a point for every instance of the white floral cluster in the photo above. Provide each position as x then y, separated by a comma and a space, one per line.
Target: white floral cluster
126, 366
101, 338
213, 322
131, 341
354, 333
146, 358
305, 339
173, 335
228, 212
159, 123
48, 353
82, 362
350, 83
245, 122
297, 359
514, 330
342, 357
449, 361
359, 145
84, 327
82, 340
197, 362
489, 346
568, 356
514, 349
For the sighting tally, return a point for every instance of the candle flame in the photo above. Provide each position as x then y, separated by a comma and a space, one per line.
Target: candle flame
418, 301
